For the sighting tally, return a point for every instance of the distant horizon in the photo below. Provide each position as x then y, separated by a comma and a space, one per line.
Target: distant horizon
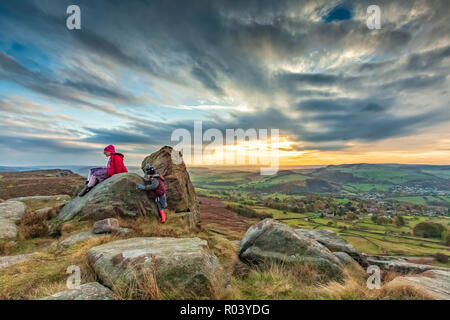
226, 166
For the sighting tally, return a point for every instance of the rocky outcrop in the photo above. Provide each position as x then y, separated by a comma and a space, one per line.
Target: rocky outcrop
181, 264
272, 240
180, 190
88, 291
106, 226
11, 213
435, 283
114, 197
335, 243
9, 261
119, 196
400, 265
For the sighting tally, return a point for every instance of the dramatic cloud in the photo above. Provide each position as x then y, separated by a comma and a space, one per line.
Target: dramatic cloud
137, 70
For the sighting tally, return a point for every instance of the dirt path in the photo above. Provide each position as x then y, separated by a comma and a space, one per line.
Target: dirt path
216, 217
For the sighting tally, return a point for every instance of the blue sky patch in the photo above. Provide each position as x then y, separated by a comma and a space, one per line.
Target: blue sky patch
339, 13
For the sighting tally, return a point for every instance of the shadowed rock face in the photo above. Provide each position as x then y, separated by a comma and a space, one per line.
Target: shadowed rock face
117, 196
182, 264
180, 190
272, 240
88, 291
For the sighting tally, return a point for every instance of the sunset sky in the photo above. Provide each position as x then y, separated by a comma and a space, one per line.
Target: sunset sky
138, 70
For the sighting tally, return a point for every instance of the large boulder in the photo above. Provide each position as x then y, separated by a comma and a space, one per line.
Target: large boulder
88, 291
117, 196
434, 283
335, 243
272, 240
181, 264
11, 213
180, 190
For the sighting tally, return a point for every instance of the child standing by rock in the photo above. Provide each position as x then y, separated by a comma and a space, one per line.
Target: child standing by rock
154, 185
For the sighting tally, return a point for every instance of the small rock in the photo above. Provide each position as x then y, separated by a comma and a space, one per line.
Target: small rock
88, 291
435, 283
124, 230
106, 226
9, 261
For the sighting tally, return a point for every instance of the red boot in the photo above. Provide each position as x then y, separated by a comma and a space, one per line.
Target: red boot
163, 215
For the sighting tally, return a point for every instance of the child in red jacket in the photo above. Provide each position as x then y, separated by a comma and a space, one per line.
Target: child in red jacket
96, 175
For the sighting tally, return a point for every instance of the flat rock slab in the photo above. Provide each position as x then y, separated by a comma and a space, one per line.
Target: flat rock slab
11, 213
88, 291
436, 283
79, 237
181, 264
401, 266
272, 240
60, 197
9, 261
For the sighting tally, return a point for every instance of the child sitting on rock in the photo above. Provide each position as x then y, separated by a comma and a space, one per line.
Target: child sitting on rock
154, 184
96, 175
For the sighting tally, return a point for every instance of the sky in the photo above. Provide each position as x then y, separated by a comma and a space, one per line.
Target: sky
337, 91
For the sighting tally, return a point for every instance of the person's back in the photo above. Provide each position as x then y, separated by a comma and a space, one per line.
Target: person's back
116, 164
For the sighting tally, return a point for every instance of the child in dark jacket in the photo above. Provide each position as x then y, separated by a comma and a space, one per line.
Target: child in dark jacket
156, 189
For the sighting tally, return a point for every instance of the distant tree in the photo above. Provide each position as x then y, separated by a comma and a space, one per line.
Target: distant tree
351, 216
446, 237
399, 221
429, 229
374, 218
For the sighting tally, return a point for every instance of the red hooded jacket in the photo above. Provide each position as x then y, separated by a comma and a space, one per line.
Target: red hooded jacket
115, 164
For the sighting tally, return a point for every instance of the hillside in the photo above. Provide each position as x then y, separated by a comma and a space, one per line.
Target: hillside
415, 184
39, 183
